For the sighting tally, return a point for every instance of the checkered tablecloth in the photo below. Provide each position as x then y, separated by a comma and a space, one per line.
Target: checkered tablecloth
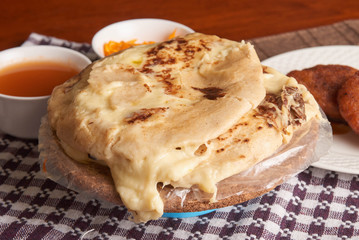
315, 204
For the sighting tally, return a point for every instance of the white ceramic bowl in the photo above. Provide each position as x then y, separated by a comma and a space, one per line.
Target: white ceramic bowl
142, 29
21, 116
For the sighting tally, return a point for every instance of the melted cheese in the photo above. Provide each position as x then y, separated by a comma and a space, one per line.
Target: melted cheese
141, 113
163, 86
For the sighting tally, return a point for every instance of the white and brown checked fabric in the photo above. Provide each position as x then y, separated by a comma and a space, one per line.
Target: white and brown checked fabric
316, 204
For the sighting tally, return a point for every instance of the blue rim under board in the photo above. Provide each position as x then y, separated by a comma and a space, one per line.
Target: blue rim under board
187, 214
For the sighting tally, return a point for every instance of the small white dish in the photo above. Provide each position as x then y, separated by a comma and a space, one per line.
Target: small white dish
142, 29
21, 116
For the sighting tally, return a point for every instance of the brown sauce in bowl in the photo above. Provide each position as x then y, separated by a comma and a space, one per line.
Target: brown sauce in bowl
34, 78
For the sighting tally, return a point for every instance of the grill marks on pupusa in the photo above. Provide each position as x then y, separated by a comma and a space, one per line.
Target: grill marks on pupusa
168, 53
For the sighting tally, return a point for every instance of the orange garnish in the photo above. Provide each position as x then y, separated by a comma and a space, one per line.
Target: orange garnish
112, 46
172, 35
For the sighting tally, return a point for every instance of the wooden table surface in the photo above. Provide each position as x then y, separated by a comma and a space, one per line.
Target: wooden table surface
242, 19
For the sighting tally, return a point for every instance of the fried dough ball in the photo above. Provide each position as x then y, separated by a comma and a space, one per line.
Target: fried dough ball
324, 81
348, 99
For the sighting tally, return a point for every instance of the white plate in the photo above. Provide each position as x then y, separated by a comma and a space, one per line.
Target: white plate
344, 154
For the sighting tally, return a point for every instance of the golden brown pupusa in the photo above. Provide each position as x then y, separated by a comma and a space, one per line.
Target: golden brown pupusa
181, 112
